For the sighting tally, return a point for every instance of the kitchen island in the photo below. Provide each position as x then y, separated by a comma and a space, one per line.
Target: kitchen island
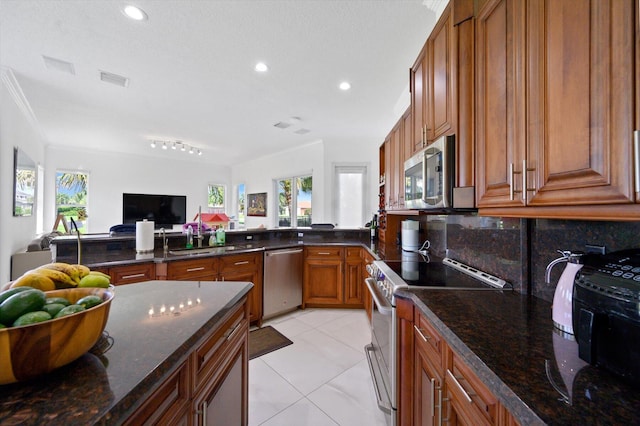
168, 347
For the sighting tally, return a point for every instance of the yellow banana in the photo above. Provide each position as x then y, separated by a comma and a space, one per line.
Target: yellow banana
65, 268
60, 279
35, 279
83, 271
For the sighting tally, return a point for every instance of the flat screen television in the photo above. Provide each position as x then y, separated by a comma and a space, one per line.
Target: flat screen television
164, 210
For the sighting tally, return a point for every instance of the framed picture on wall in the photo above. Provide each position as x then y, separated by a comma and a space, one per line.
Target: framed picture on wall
257, 204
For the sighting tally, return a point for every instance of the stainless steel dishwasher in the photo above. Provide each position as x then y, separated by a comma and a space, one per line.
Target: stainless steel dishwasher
282, 281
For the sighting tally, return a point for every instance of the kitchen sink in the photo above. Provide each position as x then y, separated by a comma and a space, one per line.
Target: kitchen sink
202, 250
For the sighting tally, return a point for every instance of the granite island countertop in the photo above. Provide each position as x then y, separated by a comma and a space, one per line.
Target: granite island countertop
509, 341
105, 385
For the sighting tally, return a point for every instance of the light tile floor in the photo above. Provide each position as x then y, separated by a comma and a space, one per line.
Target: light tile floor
322, 379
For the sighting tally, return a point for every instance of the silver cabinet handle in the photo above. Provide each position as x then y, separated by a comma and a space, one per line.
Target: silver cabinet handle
126, 277
232, 331
200, 268
325, 253
525, 188
636, 158
425, 338
433, 394
244, 262
512, 189
464, 392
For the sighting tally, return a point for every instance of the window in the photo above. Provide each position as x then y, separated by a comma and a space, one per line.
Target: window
350, 196
294, 201
72, 191
215, 199
241, 203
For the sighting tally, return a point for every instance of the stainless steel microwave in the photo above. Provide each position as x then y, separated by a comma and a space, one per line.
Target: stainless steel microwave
429, 176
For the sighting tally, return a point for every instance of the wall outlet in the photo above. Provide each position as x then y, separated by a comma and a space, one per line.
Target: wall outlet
592, 248
249, 237
300, 234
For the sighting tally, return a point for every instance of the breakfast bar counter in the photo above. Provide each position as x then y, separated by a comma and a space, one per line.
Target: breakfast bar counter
153, 330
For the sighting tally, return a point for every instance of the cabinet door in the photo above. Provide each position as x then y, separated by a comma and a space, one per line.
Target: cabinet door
323, 283
397, 169
353, 294
418, 87
580, 96
224, 400
500, 101
440, 110
389, 169
427, 388
132, 273
255, 295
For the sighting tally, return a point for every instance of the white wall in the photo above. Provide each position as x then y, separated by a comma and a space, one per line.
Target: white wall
18, 127
111, 174
258, 175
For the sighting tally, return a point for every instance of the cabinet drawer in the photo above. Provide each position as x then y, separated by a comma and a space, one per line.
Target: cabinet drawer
168, 404
324, 252
196, 268
471, 399
208, 356
430, 341
250, 261
132, 273
354, 252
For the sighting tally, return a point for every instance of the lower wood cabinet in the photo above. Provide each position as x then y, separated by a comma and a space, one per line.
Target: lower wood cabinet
211, 386
333, 277
129, 274
203, 269
435, 385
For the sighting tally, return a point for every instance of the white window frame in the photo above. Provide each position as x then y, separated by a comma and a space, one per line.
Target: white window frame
294, 200
224, 196
352, 167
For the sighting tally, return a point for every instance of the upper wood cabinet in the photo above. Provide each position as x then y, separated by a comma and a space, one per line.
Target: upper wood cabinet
418, 87
555, 104
440, 111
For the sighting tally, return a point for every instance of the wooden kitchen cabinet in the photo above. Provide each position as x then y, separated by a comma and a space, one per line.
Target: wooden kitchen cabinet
333, 277
441, 101
246, 267
367, 259
203, 269
434, 382
210, 386
323, 282
555, 102
135, 273
418, 84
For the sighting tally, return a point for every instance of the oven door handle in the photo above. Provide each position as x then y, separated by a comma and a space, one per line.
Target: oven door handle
384, 307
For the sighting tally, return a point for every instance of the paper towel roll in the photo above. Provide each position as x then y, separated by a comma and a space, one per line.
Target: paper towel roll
144, 236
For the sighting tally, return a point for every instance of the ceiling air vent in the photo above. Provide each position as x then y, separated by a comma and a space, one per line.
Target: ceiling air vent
112, 78
58, 65
302, 131
281, 125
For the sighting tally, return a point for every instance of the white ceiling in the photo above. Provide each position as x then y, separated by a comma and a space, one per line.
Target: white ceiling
191, 72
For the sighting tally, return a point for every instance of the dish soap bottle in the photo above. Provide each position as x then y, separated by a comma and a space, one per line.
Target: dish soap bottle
189, 237
220, 236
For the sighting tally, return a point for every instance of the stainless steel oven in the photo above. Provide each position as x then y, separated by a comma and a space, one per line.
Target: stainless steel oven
384, 279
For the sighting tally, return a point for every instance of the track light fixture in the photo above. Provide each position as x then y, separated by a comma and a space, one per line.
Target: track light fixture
175, 145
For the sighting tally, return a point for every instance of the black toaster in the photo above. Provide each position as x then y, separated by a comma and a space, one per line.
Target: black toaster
606, 313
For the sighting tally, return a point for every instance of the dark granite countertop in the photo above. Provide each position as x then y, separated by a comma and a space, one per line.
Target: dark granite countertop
105, 388
509, 341
102, 255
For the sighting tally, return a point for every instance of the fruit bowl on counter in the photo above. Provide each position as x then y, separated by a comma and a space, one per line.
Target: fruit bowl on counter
31, 350
43, 330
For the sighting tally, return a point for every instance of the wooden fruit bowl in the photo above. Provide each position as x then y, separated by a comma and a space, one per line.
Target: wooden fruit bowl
32, 350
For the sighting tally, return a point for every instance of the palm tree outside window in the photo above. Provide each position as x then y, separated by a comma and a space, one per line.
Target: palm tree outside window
72, 191
294, 201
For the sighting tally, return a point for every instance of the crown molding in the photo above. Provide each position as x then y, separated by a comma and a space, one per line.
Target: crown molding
15, 90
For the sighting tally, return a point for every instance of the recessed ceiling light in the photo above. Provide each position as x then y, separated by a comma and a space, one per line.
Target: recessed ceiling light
345, 85
261, 67
135, 13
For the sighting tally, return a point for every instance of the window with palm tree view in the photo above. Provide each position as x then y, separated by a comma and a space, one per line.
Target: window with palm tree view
71, 198
294, 201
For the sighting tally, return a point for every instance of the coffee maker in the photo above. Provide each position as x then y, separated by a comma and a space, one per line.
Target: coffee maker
606, 314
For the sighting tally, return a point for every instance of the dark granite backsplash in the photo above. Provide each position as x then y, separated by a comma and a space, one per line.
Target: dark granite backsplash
508, 247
